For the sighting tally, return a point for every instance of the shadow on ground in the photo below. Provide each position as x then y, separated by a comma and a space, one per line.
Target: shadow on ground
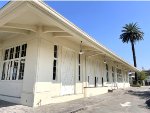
6, 104
148, 103
142, 95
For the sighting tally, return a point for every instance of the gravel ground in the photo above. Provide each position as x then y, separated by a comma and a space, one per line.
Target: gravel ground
131, 100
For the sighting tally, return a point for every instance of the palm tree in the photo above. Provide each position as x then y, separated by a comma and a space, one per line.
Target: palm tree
132, 33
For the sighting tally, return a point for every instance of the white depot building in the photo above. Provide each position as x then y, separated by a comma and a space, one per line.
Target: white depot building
44, 58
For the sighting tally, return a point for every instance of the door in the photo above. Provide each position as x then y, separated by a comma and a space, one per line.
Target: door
90, 72
67, 71
97, 72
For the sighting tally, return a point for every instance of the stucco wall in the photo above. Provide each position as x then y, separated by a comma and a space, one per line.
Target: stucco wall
20, 91
37, 85
45, 85
30, 73
95, 91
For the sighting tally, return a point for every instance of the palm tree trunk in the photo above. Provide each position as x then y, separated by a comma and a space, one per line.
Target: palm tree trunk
133, 52
134, 59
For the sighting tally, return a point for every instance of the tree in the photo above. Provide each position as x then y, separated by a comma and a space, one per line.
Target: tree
142, 76
132, 33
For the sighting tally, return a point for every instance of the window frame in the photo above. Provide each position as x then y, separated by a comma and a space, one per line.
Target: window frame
107, 72
16, 52
21, 69
113, 73
9, 68
79, 67
55, 58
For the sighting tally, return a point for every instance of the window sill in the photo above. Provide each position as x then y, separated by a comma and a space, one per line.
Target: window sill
11, 81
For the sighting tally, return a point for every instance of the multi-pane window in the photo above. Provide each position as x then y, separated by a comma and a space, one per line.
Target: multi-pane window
119, 75
17, 52
107, 74
21, 70
8, 70
113, 74
79, 67
54, 69
4, 71
15, 70
55, 62
23, 51
6, 54
14, 63
11, 53
55, 51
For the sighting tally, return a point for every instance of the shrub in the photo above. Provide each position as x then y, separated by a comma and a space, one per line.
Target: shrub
136, 85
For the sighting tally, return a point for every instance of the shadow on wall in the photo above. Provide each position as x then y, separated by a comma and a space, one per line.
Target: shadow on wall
142, 95
6, 104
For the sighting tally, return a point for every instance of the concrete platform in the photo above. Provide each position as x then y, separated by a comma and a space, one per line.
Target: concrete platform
129, 100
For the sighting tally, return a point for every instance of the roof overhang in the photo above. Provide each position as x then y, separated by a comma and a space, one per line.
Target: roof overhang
47, 17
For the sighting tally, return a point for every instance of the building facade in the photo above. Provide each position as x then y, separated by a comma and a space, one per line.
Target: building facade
45, 59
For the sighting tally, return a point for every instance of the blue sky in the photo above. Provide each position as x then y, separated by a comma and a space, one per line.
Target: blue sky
104, 21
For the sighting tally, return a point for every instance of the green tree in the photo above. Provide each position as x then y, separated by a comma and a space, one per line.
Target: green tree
132, 33
142, 76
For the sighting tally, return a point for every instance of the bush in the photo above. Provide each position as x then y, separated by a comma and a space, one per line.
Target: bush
142, 75
136, 85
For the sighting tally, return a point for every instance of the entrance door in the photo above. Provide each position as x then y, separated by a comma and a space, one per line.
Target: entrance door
67, 71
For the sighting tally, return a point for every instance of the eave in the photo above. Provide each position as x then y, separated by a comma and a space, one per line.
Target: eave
49, 12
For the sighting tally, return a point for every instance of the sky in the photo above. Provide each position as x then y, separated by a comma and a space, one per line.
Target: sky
103, 20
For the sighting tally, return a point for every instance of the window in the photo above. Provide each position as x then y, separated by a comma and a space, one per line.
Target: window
15, 69
79, 66
3, 73
11, 53
54, 69
119, 75
107, 76
14, 63
8, 70
6, 54
23, 51
55, 51
17, 52
55, 62
113, 74
21, 70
